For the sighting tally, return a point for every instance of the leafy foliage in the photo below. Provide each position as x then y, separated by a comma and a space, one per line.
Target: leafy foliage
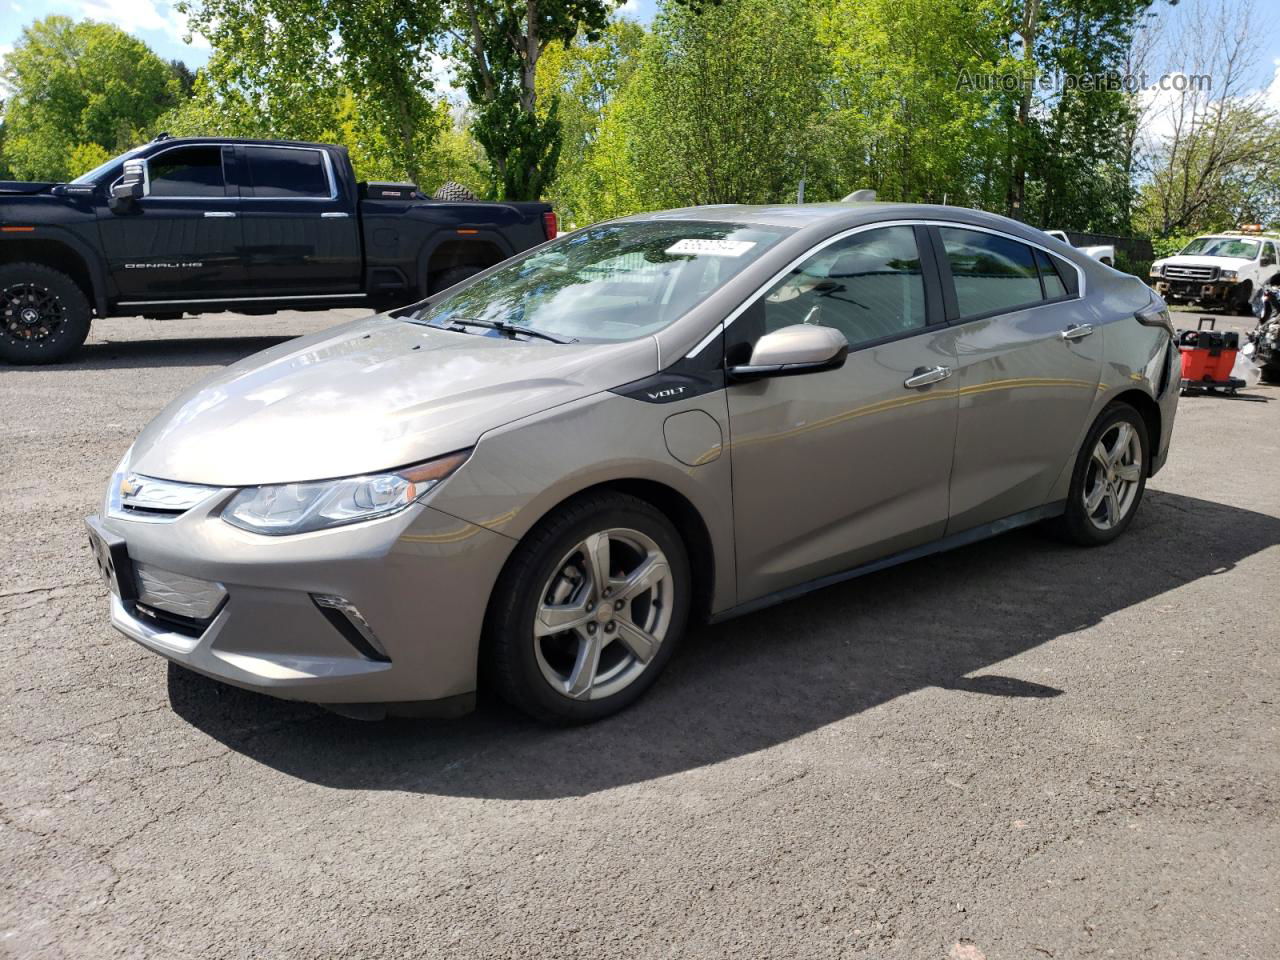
75, 87
497, 47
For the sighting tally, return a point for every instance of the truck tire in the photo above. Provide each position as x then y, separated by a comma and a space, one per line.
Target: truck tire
454, 192
44, 315
1243, 303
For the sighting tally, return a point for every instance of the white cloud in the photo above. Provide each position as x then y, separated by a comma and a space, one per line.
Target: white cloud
1272, 92
135, 15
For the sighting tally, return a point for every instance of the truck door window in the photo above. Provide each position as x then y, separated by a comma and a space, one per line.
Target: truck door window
187, 172
285, 172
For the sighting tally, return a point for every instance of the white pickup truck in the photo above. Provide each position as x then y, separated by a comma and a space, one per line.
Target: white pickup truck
1104, 253
1218, 270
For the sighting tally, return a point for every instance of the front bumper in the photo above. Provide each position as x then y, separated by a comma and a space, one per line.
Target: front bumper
1213, 293
416, 585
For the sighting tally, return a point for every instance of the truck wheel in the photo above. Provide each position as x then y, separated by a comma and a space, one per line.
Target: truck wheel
44, 315
454, 192
1244, 299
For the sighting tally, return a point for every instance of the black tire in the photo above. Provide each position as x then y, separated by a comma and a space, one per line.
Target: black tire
1271, 373
453, 192
44, 315
1243, 306
447, 278
511, 666
1077, 524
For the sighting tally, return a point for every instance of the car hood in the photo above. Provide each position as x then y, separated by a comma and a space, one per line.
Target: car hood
368, 396
1191, 260
25, 187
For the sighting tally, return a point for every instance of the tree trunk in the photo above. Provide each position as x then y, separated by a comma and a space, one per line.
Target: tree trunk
1018, 185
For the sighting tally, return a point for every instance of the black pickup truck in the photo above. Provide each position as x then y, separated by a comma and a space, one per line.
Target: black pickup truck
195, 225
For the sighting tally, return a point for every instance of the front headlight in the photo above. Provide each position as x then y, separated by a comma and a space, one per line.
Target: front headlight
1155, 269
287, 508
1228, 275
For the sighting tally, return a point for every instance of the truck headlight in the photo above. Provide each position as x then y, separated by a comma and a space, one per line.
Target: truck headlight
286, 508
1228, 275
1155, 270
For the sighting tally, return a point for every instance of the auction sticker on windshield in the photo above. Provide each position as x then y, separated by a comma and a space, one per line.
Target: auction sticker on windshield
715, 248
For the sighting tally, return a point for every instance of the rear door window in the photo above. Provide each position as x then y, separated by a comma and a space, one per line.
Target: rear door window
991, 273
286, 172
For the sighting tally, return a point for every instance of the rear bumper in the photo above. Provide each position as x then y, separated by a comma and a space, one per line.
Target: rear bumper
415, 587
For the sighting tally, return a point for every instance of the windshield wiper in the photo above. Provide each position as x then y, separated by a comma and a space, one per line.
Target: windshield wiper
510, 329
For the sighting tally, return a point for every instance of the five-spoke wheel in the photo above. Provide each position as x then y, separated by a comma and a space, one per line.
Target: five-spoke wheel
589, 608
1109, 478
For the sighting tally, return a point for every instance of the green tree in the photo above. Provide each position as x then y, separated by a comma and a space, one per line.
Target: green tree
497, 47
76, 84
725, 106
583, 78
292, 62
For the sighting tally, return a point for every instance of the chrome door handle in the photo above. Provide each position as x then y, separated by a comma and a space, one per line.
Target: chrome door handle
1077, 331
334, 215
219, 214
925, 376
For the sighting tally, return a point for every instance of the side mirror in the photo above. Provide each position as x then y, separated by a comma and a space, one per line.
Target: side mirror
132, 186
800, 348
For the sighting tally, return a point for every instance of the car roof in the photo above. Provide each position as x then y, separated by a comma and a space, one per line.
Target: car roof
799, 216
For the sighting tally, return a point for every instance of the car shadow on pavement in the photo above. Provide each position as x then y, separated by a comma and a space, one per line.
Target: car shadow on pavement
172, 352
763, 679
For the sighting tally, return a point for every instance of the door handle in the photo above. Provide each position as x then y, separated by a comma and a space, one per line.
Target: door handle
924, 376
219, 214
1077, 331
334, 215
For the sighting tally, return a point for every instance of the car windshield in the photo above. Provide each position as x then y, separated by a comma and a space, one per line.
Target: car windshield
1222, 247
102, 168
614, 281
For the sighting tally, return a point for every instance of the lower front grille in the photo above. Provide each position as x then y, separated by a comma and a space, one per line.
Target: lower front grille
175, 622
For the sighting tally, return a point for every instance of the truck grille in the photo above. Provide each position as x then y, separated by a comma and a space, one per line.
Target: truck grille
1191, 273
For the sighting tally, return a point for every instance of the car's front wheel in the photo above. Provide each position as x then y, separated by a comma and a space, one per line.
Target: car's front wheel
1109, 479
588, 610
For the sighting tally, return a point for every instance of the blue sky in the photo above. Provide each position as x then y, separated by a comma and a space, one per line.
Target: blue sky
162, 27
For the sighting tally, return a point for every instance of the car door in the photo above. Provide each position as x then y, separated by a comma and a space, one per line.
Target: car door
182, 239
1029, 359
301, 237
837, 468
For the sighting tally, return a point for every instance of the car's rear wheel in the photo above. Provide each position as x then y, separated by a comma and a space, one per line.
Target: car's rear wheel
44, 315
1109, 478
588, 610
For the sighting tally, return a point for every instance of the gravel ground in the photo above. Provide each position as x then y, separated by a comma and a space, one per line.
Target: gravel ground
1016, 750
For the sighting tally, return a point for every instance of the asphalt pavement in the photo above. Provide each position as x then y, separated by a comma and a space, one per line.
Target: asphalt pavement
1016, 750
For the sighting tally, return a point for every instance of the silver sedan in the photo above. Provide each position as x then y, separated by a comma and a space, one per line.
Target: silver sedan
536, 480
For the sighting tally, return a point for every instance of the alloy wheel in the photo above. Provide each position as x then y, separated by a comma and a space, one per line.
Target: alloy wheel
1113, 476
30, 312
603, 614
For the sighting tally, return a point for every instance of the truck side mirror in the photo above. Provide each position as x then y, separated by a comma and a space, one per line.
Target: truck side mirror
131, 188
